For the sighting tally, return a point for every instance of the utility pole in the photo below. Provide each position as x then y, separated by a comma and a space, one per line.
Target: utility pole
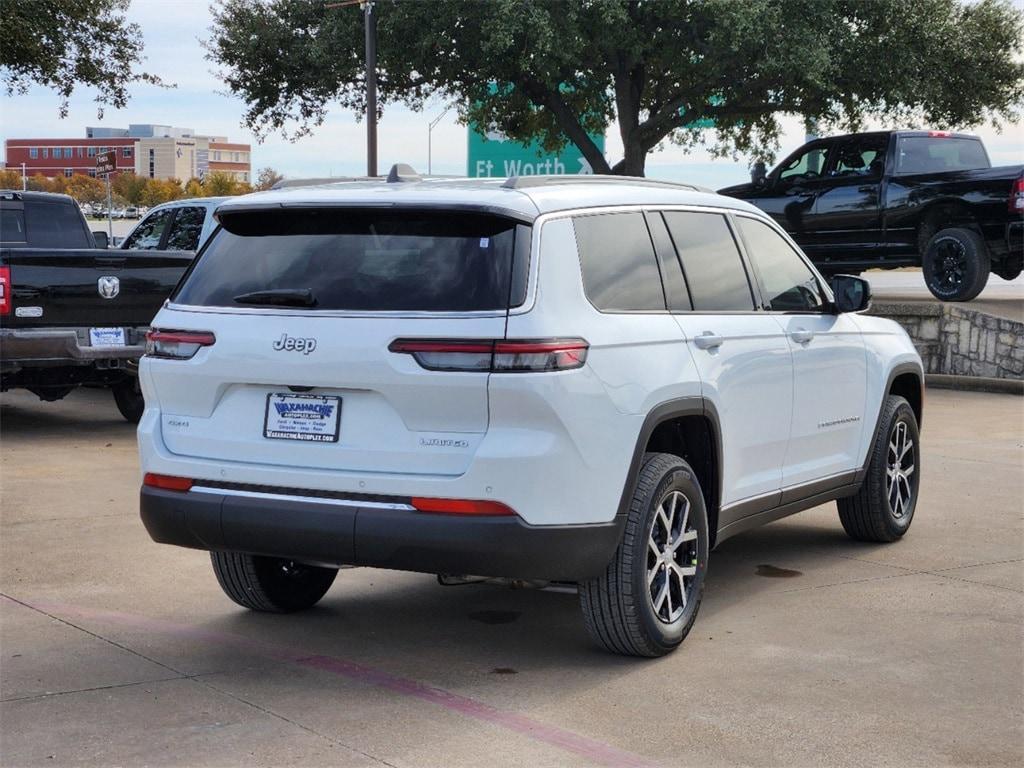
370, 19
24, 180
370, 25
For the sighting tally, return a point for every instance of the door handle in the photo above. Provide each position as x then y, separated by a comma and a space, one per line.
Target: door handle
802, 335
708, 340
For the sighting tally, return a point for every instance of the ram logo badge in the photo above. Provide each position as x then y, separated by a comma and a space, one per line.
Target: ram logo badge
108, 286
292, 344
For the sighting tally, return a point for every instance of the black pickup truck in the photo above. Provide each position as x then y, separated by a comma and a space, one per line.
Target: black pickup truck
899, 198
72, 314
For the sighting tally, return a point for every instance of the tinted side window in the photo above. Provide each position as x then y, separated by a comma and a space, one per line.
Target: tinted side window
620, 270
805, 167
711, 261
927, 154
188, 224
147, 235
676, 295
12, 225
789, 285
55, 225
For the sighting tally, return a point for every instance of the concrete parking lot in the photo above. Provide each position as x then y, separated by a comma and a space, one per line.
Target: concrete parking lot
810, 649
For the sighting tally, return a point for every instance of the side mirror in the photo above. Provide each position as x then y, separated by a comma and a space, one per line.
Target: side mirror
100, 238
759, 174
853, 294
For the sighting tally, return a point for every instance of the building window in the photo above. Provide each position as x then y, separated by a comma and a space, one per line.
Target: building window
245, 176
68, 173
126, 152
92, 173
33, 152
92, 151
152, 163
81, 151
234, 156
46, 152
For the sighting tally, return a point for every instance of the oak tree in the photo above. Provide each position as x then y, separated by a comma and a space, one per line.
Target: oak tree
662, 70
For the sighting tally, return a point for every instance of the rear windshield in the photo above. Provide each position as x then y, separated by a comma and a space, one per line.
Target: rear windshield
365, 260
935, 154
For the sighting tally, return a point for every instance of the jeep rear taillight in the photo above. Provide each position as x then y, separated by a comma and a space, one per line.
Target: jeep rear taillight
5, 290
495, 355
1016, 201
177, 345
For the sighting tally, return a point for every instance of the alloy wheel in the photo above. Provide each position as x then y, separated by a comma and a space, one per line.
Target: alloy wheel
950, 262
671, 557
899, 470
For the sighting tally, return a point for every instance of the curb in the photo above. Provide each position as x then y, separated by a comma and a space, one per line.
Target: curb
975, 383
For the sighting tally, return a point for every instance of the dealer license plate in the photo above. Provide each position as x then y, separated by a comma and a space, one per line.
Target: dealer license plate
106, 337
311, 418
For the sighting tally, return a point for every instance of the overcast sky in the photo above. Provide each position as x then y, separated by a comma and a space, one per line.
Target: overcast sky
173, 29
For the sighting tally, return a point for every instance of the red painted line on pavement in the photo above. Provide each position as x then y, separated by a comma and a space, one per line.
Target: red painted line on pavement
590, 749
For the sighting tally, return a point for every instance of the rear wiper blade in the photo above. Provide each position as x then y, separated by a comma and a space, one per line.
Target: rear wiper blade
281, 297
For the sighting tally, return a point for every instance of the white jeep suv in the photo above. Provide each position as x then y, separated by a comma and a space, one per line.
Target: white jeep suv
572, 379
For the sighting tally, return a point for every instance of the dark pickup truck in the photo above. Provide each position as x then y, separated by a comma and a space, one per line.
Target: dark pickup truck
896, 199
72, 314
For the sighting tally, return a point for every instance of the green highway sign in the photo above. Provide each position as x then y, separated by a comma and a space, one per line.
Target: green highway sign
491, 154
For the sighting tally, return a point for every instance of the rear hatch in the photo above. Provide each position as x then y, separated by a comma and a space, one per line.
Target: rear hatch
303, 307
88, 287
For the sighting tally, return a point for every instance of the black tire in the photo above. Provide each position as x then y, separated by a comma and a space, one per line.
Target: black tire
271, 584
128, 399
618, 606
956, 264
871, 514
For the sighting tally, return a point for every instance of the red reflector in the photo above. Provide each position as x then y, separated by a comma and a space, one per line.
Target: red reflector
167, 482
462, 507
5, 290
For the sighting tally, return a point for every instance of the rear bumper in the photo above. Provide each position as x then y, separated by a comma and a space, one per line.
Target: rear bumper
63, 346
379, 534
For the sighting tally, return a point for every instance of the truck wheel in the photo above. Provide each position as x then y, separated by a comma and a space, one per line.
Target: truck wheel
648, 597
271, 584
883, 508
129, 400
956, 264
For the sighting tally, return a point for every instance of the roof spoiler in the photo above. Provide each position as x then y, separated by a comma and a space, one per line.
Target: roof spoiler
400, 172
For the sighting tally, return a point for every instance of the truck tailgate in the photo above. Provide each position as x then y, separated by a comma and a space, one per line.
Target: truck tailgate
55, 288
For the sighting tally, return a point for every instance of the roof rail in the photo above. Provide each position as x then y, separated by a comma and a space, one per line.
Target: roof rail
289, 183
402, 172
525, 182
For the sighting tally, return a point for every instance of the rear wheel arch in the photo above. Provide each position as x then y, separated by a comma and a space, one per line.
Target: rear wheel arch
688, 428
943, 215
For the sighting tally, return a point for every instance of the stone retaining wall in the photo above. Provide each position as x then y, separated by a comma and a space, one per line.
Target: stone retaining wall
953, 339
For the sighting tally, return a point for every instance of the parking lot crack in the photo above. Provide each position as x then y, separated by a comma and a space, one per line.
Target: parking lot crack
279, 716
50, 694
177, 672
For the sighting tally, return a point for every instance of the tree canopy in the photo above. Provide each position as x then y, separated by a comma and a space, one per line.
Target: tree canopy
64, 44
557, 71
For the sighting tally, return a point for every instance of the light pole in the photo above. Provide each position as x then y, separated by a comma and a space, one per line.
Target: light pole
430, 130
371, 87
24, 181
370, 25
